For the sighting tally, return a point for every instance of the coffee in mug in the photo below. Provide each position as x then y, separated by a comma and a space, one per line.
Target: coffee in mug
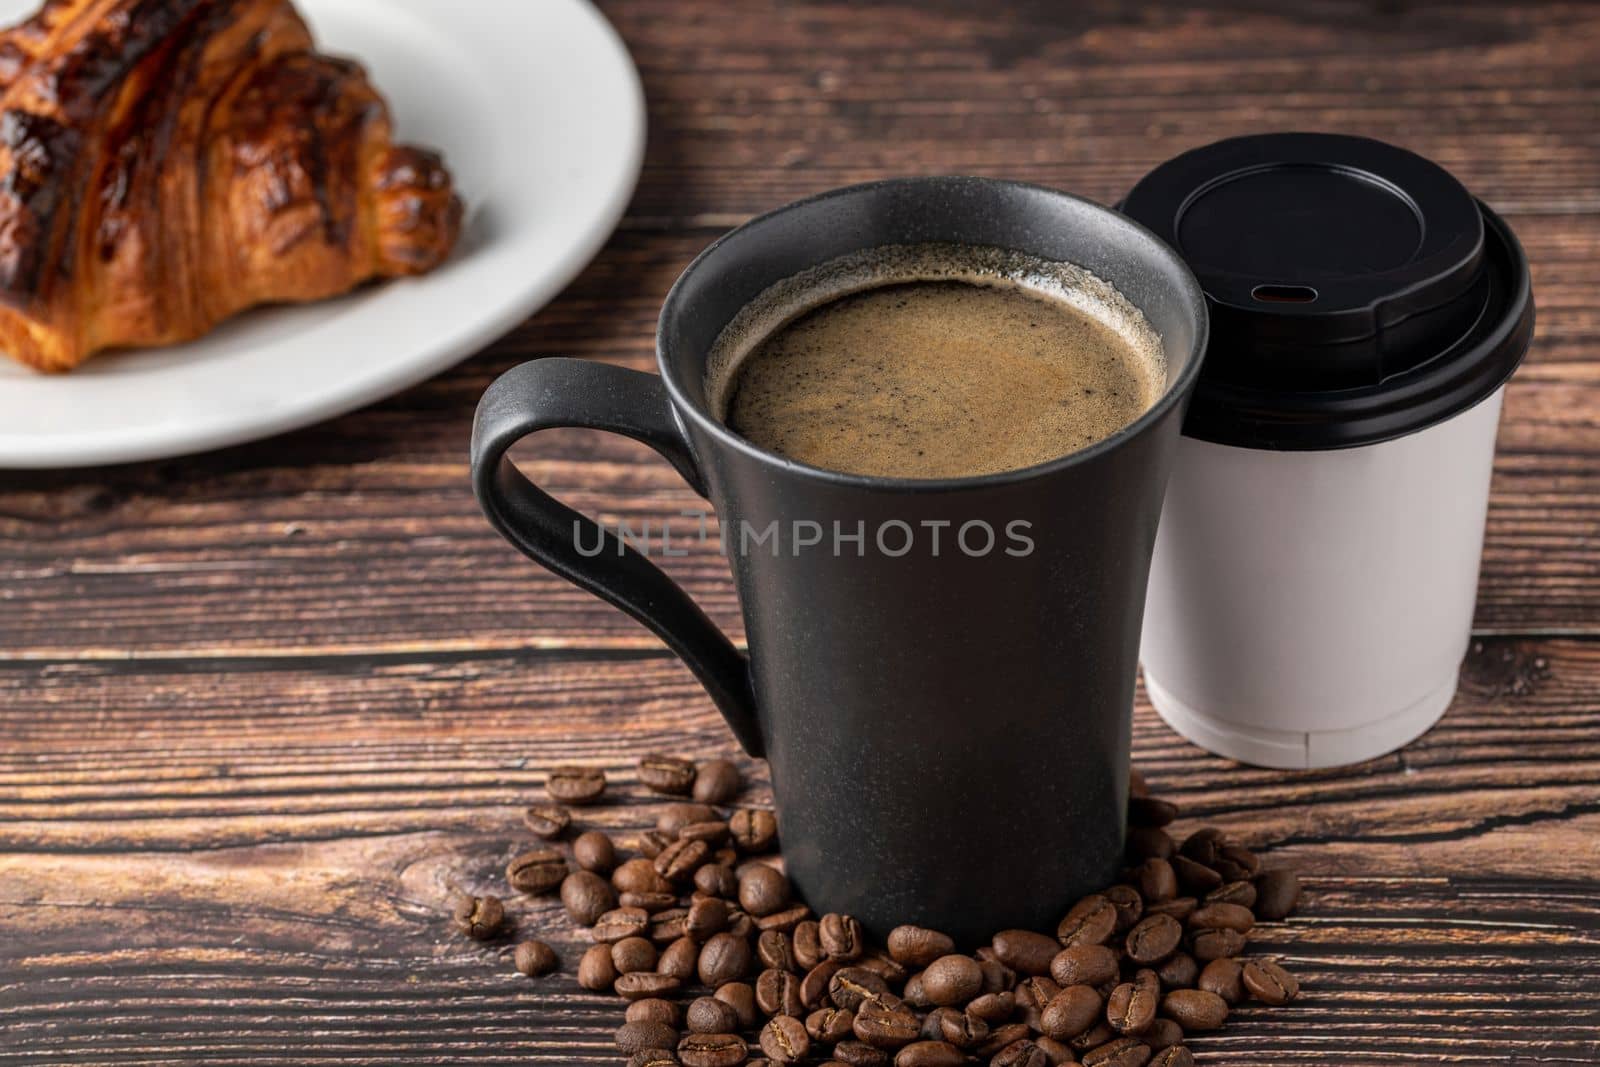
935, 361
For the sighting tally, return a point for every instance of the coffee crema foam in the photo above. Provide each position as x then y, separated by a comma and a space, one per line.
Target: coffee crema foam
935, 361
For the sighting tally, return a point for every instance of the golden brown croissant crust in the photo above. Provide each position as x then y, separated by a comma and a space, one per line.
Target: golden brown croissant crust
165, 164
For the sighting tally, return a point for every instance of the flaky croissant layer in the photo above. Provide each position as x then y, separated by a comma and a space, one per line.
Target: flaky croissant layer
166, 164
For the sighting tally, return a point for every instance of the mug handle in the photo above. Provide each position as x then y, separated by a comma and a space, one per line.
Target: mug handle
548, 393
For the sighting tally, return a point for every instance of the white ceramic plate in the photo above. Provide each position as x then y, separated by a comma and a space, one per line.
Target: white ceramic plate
540, 114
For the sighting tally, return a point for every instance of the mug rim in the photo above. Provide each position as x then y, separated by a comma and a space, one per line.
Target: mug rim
1175, 393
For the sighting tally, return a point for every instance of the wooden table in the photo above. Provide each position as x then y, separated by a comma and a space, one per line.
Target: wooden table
260, 711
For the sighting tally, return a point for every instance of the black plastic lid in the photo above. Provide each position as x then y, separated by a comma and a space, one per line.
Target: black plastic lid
1358, 291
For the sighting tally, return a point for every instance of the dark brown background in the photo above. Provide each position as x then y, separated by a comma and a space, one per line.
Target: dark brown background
260, 710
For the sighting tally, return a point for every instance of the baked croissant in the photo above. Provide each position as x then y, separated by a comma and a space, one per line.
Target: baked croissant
165, 164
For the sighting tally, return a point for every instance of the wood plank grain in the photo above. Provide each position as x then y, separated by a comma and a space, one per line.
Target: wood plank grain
361, 535
214, 859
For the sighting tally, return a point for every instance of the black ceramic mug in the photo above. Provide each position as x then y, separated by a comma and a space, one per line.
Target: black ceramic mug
947, 728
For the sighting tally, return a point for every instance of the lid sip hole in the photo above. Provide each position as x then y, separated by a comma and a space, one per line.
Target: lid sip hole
1284, 294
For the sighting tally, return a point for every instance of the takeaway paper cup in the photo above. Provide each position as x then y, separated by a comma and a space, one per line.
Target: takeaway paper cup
1317, 564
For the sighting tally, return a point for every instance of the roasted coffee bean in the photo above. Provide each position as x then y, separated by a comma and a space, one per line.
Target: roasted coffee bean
717, 782
807, 942
1146, 842
1091, 921
586, 896
675, 817
1022, 1053
1277, 893
763, 890
1056, 1054
1208, 945
480, 918
1154, 939
595, 970
1237, 863
619, 923
1172, 1056
1179, 971
1162, 1033
708, 1015
1070, 1012
1034, 992
784, 1040
860, 1054
915, 995
1195, 878
785, 920
679, 860
997, 977
725, 958
654, 1057
876, 959
815, 987
1149, 811
1222, 917
830, 1025
1240, 893
851, 986
639, 876
652, 903
636, 1037
667, 775
1194, 1009
1094, 1037
1025, 951
1204, 845
715, 880
713, 1050
952, 979
633, 954
707, 916
992, 1007
595, 851
740, 924
1129, 905
778, 993
775, 949
1084, 965
754, 830
1131, 1007
930, 1054
741, 997
917, 946
667, 926
655, 1010
841, 936
549, 821
536, 872
884, 1024
535, 959
956, 1027
1120, 1052
1269, 983
1179, 908
653, 843
575, 785
712, 833
641, 984
1156, 880
681, 959
1225, 978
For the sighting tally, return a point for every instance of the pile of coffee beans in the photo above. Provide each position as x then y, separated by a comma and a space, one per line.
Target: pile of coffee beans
704, 915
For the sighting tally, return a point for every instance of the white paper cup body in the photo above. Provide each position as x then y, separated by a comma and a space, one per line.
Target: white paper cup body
1313, 608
